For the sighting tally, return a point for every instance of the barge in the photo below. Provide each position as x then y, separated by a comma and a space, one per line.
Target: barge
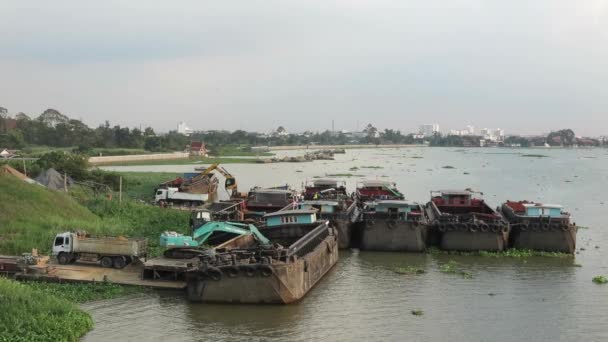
465, 222
333, 203
261, 201
249, 271
388, 221
394, 225
540, 226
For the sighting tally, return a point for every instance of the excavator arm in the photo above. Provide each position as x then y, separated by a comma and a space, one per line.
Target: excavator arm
230, 183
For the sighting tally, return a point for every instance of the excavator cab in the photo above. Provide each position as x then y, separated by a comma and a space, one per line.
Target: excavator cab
230, 182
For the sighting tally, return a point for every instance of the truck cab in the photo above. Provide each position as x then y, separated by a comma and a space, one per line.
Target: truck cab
161, 195
62, 243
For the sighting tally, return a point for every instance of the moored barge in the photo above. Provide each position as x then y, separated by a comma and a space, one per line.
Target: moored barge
540, 226
302, 251
333, 203
388, 222
465, 222
261, 201
393, 225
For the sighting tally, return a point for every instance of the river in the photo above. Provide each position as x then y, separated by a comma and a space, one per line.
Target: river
362, 298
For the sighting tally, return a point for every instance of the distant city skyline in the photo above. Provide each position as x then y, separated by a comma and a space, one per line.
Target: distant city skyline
527, 67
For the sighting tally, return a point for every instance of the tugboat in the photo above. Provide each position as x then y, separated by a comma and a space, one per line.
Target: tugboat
466, 223
332, 202
540, 226
388, 222
294, 252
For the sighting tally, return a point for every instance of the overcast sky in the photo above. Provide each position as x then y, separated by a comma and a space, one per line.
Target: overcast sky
525, 66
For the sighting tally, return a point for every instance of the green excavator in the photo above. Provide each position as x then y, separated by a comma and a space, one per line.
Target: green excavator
212, 233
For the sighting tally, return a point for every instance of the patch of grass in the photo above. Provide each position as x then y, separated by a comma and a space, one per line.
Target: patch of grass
32, 314
417, 312
237, 151
117, 151
600, 280
342, 175
85, 292
31, 215
417, 157
141, 185
452, 268
409, 270
508, 253
534, 156
354, 168
140, 220
372, 167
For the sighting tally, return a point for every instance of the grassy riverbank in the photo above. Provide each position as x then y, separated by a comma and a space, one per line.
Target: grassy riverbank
34, 311
32, 214
30, 314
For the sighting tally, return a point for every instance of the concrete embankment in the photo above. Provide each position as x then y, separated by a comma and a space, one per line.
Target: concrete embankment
321, 147
137, 157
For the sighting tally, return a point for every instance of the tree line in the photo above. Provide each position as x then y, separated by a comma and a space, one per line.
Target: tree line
54, 129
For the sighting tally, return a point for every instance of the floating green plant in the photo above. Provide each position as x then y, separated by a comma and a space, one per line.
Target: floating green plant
534, 155
409, 270
417, 312
600, 280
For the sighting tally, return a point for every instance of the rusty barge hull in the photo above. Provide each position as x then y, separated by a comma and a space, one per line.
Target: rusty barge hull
473, 241
549, 241
386, 235
277, 283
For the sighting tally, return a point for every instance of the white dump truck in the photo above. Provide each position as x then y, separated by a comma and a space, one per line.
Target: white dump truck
174, 196
114, 252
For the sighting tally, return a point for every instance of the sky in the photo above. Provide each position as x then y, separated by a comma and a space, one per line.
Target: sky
525, 66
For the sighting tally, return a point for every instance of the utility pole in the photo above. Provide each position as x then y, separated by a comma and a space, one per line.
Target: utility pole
24, 168
65, 182
120, 190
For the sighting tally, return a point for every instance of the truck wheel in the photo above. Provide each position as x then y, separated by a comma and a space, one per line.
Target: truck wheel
106, 262
119, 262
64, 258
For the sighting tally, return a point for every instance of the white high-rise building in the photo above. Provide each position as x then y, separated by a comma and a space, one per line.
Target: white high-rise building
184, 129
491, 134
429, 130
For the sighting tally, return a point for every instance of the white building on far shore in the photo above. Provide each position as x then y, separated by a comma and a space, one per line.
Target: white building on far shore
428, 130
184, 129
491, 134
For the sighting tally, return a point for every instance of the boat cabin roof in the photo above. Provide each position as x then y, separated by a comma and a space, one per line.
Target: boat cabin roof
453, 192
325, 181
320, 202
292, 212
542, 205
396, 203
375, 183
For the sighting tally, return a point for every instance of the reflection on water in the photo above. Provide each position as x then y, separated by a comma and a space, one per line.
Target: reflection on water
535, 299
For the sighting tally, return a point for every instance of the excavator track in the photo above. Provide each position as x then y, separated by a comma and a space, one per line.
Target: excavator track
185, 253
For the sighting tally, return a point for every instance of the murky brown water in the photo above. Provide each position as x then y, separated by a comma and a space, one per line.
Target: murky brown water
533, 299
